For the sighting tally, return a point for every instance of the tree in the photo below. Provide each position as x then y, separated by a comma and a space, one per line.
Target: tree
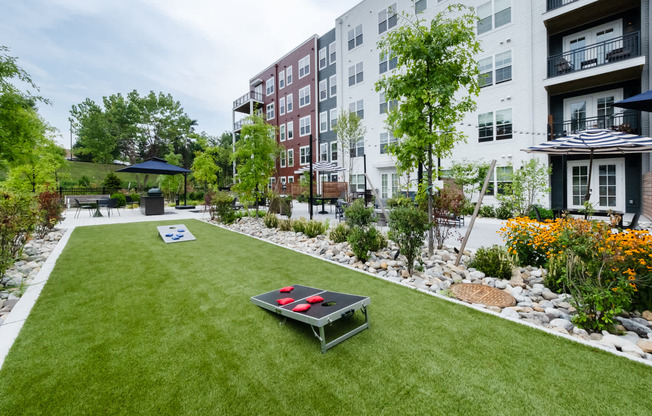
95, 143
20, 124
205, 167
349, 130
212, 165
171, 185
255, 157
436, 77
39, 167
469, 176
527, 184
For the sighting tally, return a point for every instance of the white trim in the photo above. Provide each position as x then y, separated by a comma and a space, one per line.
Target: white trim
595, 185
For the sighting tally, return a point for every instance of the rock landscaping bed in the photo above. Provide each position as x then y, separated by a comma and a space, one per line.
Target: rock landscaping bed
20, 275
533, 302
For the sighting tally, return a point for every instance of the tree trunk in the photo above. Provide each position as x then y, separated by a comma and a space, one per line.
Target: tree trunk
431, 237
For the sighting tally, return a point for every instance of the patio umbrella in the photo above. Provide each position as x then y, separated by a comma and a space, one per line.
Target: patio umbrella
641, 102
321, 167
592, 142
158, 166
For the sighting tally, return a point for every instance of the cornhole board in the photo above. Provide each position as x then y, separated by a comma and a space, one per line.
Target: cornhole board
175, 233
335, 306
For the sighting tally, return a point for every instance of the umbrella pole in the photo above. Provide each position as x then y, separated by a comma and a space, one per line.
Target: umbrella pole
587, 196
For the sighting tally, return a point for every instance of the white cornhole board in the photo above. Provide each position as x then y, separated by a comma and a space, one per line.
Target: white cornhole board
175, 233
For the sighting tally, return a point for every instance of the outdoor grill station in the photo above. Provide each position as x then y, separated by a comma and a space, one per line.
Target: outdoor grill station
153, 203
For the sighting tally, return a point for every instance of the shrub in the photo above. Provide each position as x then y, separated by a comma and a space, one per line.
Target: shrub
314, 228
222, 208
299, 225
544, 213
121, 200
50, 209
340, 233
270, 220
285, 225
281, 205
407, 226
448, 202
196, 195
18, 217
504, 212
400, 201
135, 198
357, 215
487, 211
493, 261
84, 181
363, 241
112, 182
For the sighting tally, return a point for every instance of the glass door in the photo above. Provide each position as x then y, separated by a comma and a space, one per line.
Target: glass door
578, 116
607, 185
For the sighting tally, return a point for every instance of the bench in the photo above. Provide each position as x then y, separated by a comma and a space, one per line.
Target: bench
84, 199
450, 220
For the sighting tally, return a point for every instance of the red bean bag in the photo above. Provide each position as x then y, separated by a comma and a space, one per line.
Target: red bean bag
302, 307
284, 301
286, 289
314, 299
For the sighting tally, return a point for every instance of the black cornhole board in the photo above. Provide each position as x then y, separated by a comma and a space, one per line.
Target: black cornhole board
335, 306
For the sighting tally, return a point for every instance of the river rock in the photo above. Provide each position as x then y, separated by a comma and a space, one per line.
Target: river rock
562, 323
634, 326
647, 315
645, 345
510, 313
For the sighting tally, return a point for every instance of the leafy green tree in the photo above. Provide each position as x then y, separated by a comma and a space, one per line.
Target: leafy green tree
349, 130
470, 176
528, 184
39, 167
255, 157
435, 81
95, 143
407, 227
212, 164
20, 125
171, 185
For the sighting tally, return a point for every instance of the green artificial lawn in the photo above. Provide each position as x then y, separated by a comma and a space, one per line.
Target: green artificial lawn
130, 325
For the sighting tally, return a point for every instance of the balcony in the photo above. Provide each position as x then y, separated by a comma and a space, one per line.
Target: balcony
628, 122
603, 53
555, 4
237, 126
248, 102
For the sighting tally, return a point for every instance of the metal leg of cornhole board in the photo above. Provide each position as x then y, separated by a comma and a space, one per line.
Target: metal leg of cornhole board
322, 336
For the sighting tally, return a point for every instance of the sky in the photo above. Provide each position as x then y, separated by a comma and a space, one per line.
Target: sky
202, 52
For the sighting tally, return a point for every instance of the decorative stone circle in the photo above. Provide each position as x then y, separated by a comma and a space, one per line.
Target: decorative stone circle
485, 295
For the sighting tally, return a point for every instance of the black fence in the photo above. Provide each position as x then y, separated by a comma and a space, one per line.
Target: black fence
81, 190
627, 122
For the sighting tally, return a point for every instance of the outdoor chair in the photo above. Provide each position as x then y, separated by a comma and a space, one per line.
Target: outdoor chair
111, 203
81, 206
130, 202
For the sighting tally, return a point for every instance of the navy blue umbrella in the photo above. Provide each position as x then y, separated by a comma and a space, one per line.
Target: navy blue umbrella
641, 102
156, 166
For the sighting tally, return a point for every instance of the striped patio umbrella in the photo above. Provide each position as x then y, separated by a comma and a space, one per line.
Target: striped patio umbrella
590, 142
320, 167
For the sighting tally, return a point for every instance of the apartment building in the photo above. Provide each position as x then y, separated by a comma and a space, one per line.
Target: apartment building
548, 68
285, 93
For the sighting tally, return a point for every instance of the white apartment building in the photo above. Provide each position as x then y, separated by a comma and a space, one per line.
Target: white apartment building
551, 67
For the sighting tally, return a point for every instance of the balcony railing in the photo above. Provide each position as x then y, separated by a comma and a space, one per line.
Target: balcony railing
614, 50
251, 95
237, 126
555, 4
628, 122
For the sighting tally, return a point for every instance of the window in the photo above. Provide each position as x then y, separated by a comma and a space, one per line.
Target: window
269, 86
333, 115
282, 159
504, 179
323, 121
333, 151
420, 6
304, 96
386, 138
356, 74
387, 19
357, 183
357, 149
394, 184
504, 124
304, 155
332, 49
281, 132
290, 179
289, 103
386, 62
486, 69
384, 105
383, 186
283, 180
290, 130
272, 182
502, 14
288, 75
323, 152
270, 111
304, 126
333, 83
304, 66
358, 108
281, 105
355, 37
281, 80
323, 90
291, 160
485, 127
503, 67
322, 58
